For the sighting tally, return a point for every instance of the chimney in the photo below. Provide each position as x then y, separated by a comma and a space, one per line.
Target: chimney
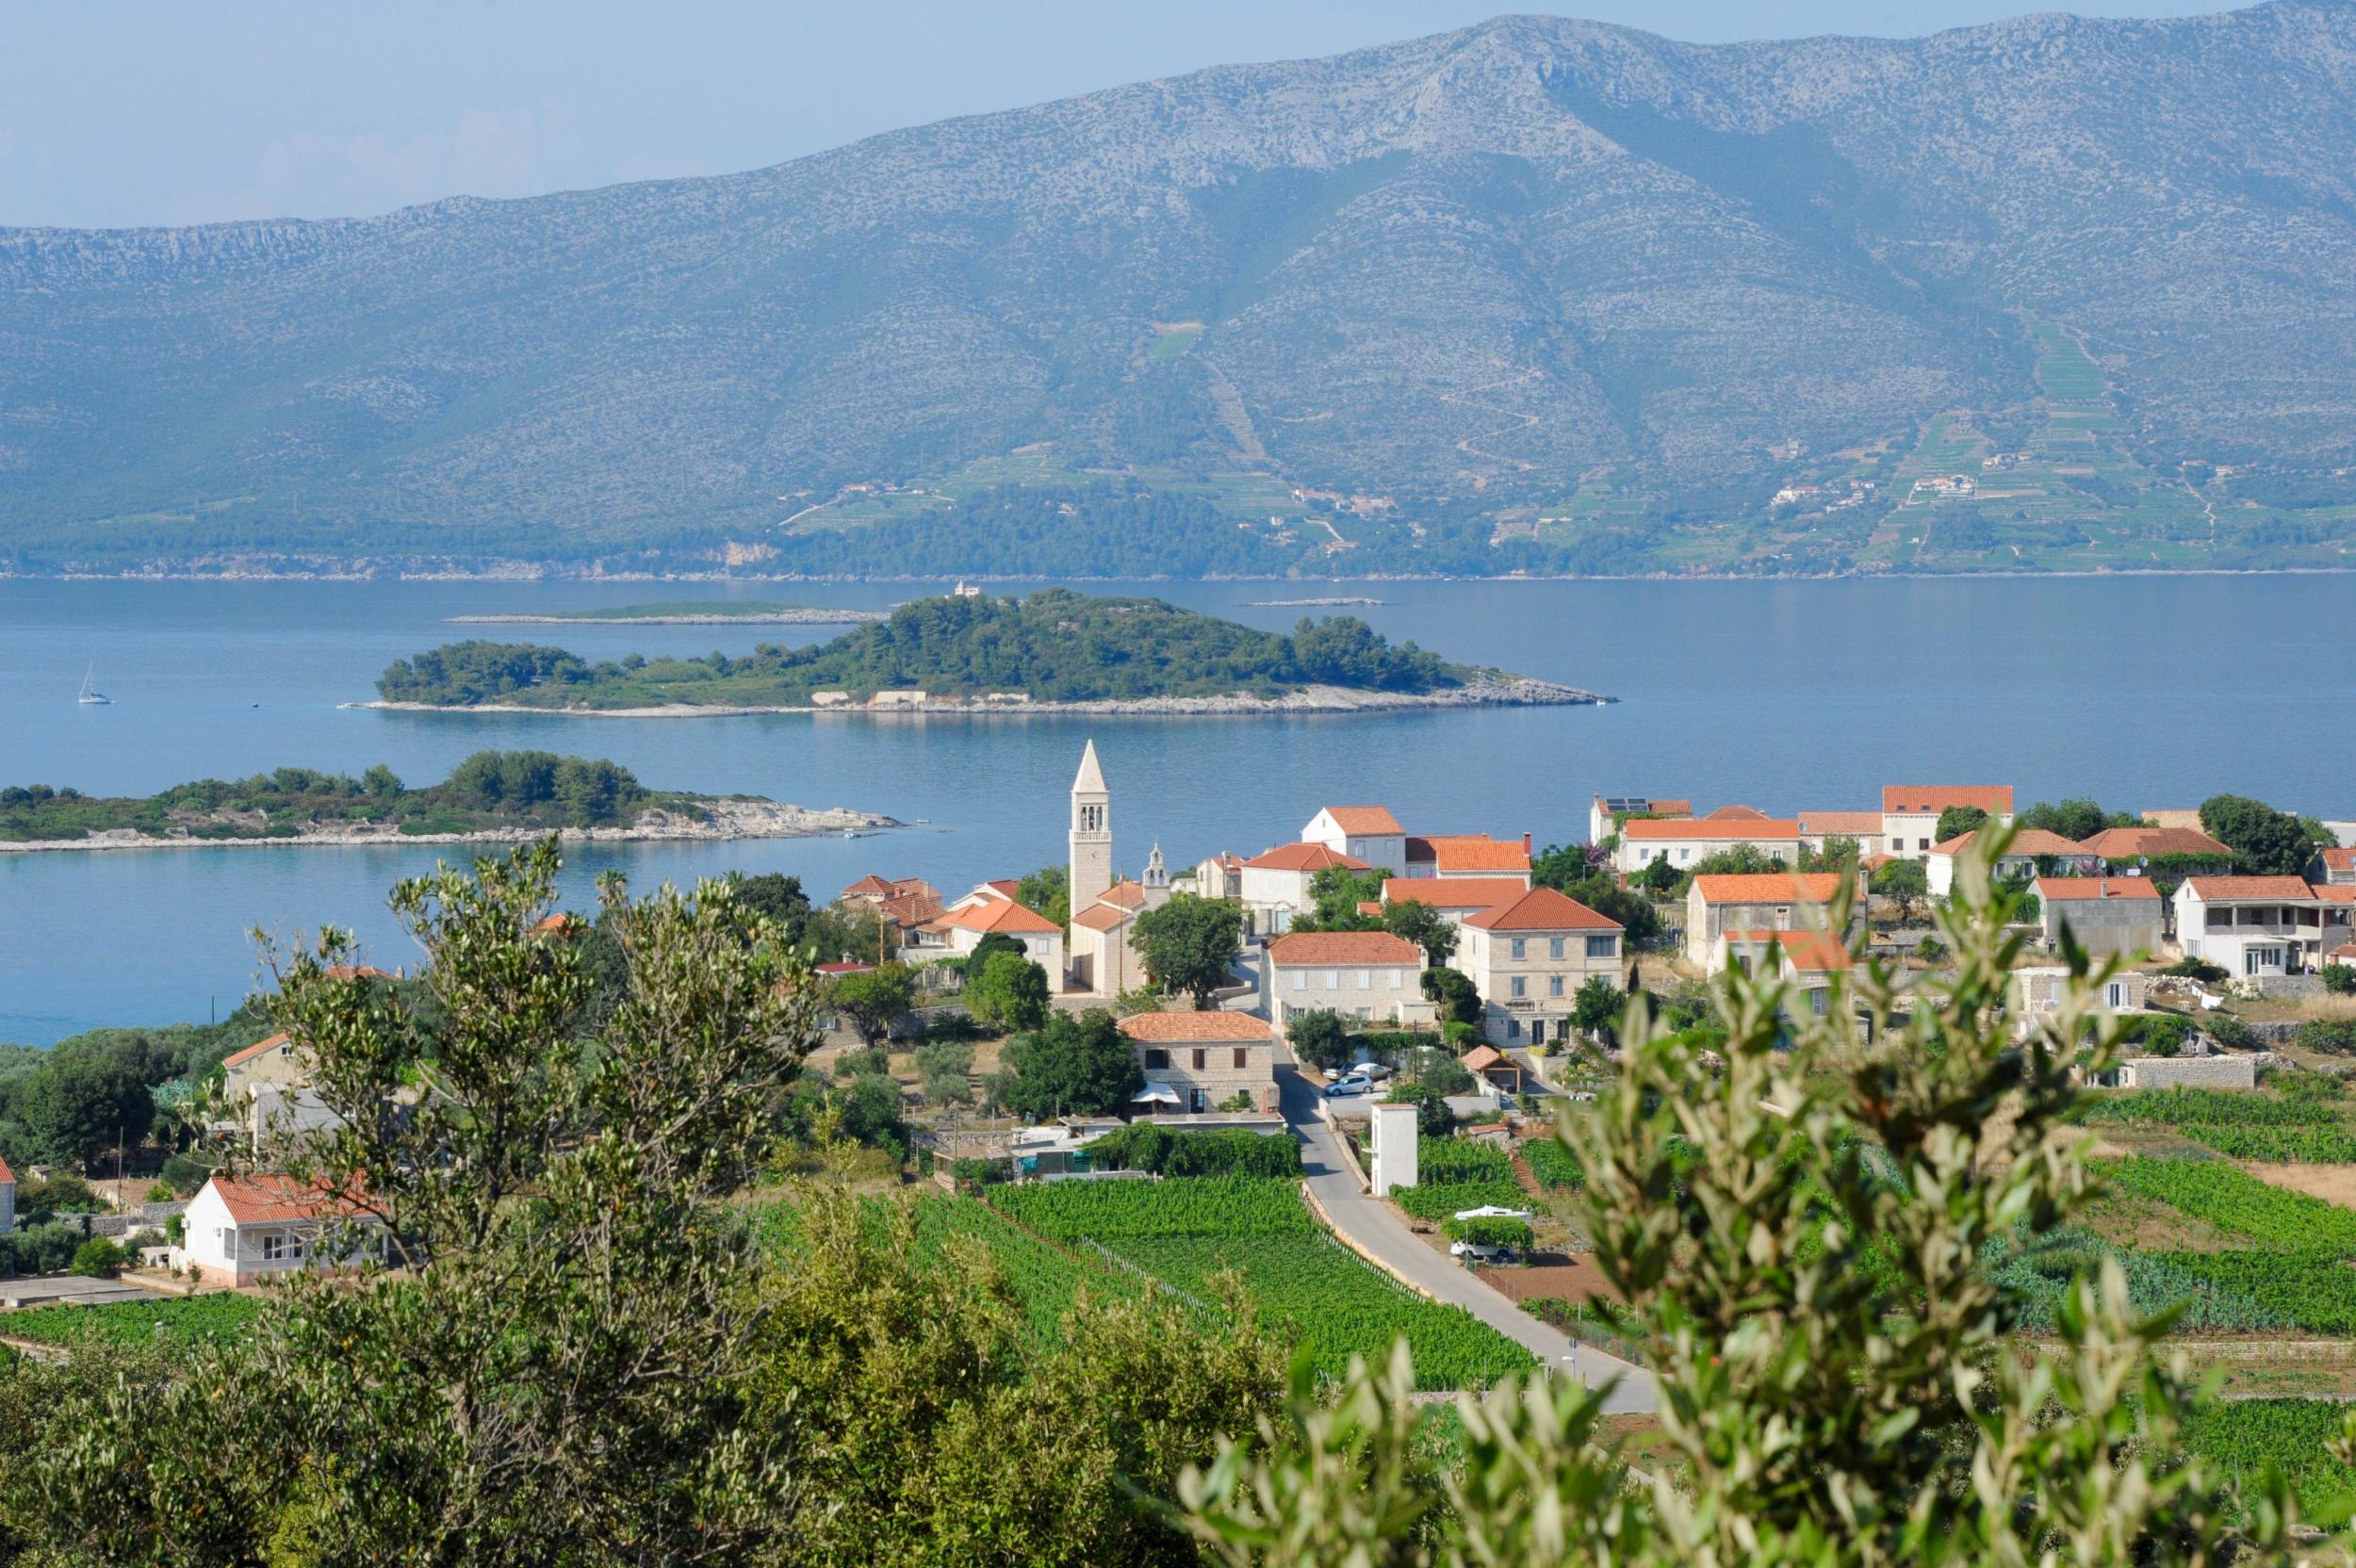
1525, 843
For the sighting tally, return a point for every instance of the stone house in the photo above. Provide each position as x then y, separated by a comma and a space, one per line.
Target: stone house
1606, 813
1473, 855
1528, 959
1196, 1062
1276, 884
2019, 861
1456, 897
1368, 976
2104, 914
1758, 901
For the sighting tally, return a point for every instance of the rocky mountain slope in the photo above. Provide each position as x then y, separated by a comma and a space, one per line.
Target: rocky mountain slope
1535, 283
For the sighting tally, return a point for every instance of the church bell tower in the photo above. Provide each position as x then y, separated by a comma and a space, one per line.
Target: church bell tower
1091, 868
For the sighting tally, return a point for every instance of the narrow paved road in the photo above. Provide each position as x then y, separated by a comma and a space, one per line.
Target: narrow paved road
1375, 1227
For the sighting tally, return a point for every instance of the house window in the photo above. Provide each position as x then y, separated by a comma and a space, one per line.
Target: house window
1365, 979
1513, 1028
1685, 855
1156, 1059
1300, 979
1602, 947
1199, 1056
225, 1241
1897, 846
1922, 844
1521, 948
2115, 994
274, 1246
1554, 984
1554, 947
1818, 1001
1243, 1058
1332, 979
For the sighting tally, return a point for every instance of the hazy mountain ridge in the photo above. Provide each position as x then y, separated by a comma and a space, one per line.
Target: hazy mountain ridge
1468, 268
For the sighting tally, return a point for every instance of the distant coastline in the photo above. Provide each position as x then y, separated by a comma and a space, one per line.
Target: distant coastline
719, 613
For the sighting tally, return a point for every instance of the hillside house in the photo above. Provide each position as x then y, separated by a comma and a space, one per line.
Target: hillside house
2104, 914
1367, 833
1219, 876
2254, 926
1276, 884
2114, 845
2017, 863
1468, 855
1808, 961
2336, 866
1910, 812
1196, 1062
1765, 901
1683, 843
242, 1231
1863, 828
1528, 959
1455, 897
1369, 975
1606, 813
958, 932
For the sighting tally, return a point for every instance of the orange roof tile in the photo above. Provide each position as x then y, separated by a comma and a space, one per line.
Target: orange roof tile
1768, 887
7, 1176
2066, 889
1757, 830
2029, 841
1309, 858
1812, 952
1453, 893
1003, 914
1364, 819
1470, 852
259, 1048
1102, 917
1736, 812
2128, 844
1918, 799
1342, 947
2280, 888
1212, 1025
1126, 896
1542, 909
1481, 1058
2340, 857
262, 1197
869, 886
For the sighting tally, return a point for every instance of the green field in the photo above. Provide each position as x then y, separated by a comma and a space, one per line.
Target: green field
1173, 340
1307, 1287
2063, 370
182, 1319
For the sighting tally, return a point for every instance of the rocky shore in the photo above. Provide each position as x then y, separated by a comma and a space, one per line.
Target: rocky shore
1489, 691
718, 818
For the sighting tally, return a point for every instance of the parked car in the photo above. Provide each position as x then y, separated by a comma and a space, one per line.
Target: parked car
1483, 1254
1373, 1070
1348, 1085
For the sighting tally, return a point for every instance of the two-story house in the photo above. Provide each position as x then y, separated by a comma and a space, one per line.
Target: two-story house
958, 932
1606, 812
2336, 866
1367, 833
1368, 976
1761, 901
1528, 959
1684, 842
2103, 914
1910, 812
1455, 897
2259, 925
1196, 1062
1276, 884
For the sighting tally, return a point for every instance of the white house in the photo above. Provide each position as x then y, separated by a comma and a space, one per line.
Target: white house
1468, 855
1197, 1062
1762, 901
1818, 828
959, 931
1605, 814
1910, 812
1684, 842
8, 1197
1528, 959
240, 1230
1367, 833
2259, 925
2019, 861
1276, 884
1368, 976
1455, 897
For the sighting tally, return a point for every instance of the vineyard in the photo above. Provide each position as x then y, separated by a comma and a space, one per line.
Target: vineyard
1045, 1278
1308, 1289
2275, 1128
1452, 1174
1553, 1165
184, 1319
2242, 1436
2235, 1200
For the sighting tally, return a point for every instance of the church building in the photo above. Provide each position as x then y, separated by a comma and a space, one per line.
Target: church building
1103, 956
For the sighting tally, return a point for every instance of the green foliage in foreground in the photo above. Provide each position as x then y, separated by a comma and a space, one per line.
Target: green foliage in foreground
221, 1315
1054, 645
490, 789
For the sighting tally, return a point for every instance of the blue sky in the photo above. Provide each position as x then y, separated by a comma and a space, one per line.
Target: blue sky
136, 112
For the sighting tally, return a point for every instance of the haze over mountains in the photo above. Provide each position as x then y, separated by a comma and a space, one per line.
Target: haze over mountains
1564, 296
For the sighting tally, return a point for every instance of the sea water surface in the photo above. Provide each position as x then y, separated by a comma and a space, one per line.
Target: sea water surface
2144, 691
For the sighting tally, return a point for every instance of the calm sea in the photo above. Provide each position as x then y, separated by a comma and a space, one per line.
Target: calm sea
2144, 691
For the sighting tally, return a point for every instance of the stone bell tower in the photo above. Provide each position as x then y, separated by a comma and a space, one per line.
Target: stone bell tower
1091, 866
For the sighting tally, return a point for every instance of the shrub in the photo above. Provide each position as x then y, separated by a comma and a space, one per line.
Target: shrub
974, 1172
1492, 1230
2228, 1032
863, 1062
1321, 1039
2329, 1033
98, 1259
1433, 1120
2339, 979
1230, 1152
1447, 1075
2195, 968
2158, 1033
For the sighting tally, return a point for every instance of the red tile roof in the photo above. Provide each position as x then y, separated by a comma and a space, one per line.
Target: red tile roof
1812, 952
1453, 893
841, 968
1470, 852
1126, 896
1342, 947
259, 1048
1736, 812
354, 972
1310, 857
1844, 824
1003, 914
1102, 917
1364, 819
2128, 844
1195, 1026
1542, 909
1768, 887
7, 1176
2340, 857
1918, 799
1481, 1058
2066, 889
2291, 889
261, 1197
2029, 841
1756, 829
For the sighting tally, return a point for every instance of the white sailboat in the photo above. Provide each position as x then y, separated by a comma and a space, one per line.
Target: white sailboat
91, 697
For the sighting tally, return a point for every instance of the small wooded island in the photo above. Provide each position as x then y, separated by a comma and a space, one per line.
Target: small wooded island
491, 797
684, 613
1055, 649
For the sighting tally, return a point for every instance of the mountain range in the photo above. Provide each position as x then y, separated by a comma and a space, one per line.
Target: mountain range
1537, 295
